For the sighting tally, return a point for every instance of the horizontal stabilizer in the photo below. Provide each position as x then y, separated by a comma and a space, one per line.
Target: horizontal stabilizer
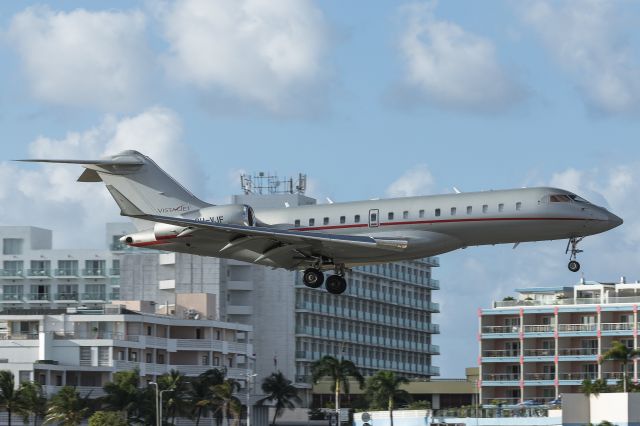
115, 162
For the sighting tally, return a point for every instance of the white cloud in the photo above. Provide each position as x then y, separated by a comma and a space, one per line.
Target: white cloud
265, 53
48, 195
83, 58
415, 181
589, 40
451, 67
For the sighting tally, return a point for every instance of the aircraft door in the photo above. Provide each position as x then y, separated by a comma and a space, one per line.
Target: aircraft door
374, 218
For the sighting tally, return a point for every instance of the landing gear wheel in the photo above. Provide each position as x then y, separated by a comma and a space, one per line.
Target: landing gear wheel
336, 284
313, 278
574, 266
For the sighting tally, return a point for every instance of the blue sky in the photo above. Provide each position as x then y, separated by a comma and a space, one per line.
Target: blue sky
369, 99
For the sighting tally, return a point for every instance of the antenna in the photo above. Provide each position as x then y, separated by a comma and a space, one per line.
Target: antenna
267, 183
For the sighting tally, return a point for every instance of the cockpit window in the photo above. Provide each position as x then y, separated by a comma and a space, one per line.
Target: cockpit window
559, 198
578, 199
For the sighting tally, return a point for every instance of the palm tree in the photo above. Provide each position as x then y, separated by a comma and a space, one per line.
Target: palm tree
32, 401
223, 396
620, 352
179, 398
122, 394
279, 390
9, 395
384, 387
339, 371
67, 407
595, 387
201, 391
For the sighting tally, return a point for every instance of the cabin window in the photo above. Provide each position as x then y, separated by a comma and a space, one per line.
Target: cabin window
453, 211
560, 198
343, 219
485, 208
500, 207
325, 221
469, 209
518, 205
421, 213
437, 212
296, 222
390, 216
405, 214
356, 218
312, 222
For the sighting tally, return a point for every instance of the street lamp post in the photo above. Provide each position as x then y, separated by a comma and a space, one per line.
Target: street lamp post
160, 406
157, 404
250, 377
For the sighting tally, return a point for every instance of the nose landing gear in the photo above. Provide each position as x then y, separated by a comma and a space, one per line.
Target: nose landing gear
572, 246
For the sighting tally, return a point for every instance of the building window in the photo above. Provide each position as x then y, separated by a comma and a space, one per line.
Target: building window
453, 211
437, 212
312, 222
356, 218
390, 216
13, 267
485, 208
405, 214
148, 330
94, 267
67, 268
296, 223
148, 358
343, 219
160, 358
500, 207
469, 209
325, 221
518, 205
12, 246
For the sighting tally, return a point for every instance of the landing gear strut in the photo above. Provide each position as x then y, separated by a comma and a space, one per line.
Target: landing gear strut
572, 246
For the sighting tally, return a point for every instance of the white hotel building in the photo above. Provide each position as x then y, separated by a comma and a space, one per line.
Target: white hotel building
548, 340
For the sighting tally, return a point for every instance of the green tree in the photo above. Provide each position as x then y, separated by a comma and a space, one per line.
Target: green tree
383, 389
123, 394
595, 387
281, 392
32, 401
9, 395
67, 408
107, 418
339, 371
620, 352
178, 400
201, 392
224, 398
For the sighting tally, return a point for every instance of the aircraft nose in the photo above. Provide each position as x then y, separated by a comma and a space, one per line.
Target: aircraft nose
615, 220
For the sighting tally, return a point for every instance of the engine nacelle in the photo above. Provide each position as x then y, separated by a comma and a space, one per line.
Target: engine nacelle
156, 235
232, 214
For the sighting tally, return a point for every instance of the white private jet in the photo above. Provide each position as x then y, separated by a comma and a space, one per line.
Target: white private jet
337, 236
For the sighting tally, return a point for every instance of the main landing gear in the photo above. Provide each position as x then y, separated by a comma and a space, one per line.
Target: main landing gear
572, 246
335, 284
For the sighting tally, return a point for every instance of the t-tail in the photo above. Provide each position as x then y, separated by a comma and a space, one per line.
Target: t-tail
137, 184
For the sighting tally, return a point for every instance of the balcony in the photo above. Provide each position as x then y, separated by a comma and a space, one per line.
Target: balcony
501, 377
66, 273
538, 328
539, 352
66, 297
19, 336
539, 376
577, 352
114, 272
94, 273
501, 353
617, 326
12, 297
39, 273
38, 297
11, 274
577, 376
500, 329
577, 328
615, 375
93, 297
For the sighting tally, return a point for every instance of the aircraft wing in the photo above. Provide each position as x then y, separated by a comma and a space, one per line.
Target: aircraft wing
282, 247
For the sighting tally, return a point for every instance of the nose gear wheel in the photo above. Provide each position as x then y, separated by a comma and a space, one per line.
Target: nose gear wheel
572, 247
